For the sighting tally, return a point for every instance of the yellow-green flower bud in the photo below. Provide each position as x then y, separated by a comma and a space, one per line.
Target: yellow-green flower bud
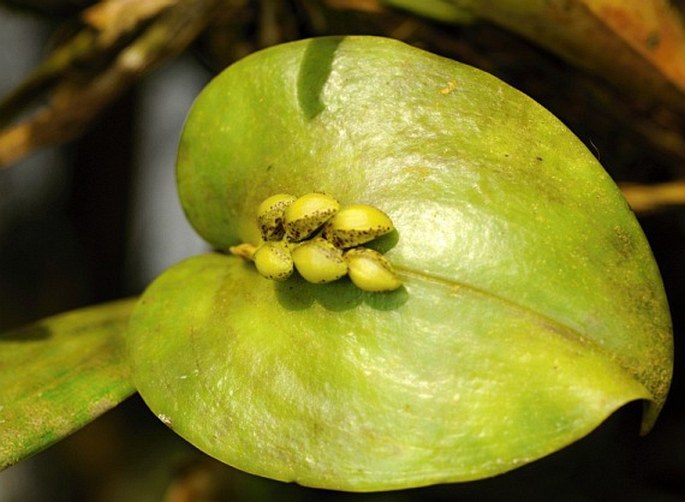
356, 224
308, 213
319, 261
270, 215
273, 260
371, 271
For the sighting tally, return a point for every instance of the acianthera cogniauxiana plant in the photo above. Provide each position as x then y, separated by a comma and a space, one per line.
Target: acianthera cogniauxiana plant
530, 305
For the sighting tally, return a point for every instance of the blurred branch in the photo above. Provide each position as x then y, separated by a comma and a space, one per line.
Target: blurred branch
123, 40
652, 198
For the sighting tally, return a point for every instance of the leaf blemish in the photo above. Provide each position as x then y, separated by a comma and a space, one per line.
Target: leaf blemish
166, 420
653, 40
451, 85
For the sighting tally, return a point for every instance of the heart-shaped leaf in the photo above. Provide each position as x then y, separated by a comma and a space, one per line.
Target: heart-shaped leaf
58, 374
531, 308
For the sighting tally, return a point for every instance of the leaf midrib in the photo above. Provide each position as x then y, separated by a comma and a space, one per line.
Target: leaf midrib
555, 326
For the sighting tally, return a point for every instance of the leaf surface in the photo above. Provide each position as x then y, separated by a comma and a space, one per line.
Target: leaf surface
531, 308
60, 373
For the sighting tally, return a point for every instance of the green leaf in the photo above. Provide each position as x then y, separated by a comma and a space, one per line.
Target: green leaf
59, 374
531, 309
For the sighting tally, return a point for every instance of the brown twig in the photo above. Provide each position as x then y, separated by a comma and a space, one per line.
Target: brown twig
652, 198
75, 96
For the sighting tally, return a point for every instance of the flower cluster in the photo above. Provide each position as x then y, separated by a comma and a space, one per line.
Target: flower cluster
322, 240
